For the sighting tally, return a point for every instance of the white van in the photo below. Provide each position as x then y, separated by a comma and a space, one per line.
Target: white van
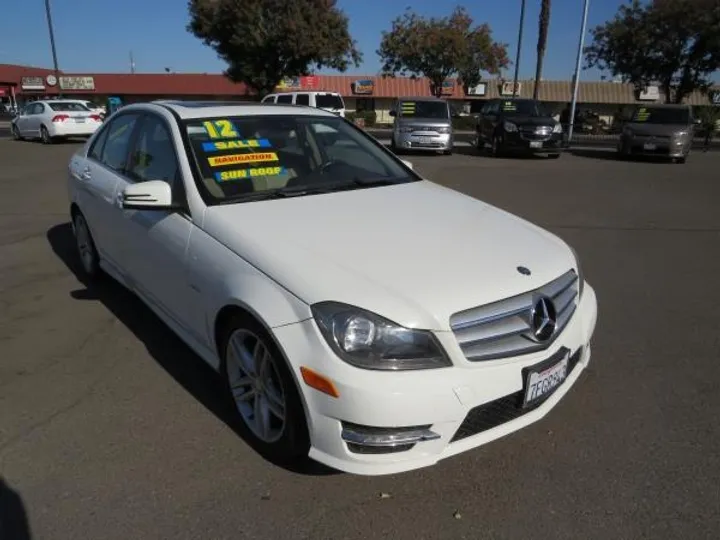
327, 101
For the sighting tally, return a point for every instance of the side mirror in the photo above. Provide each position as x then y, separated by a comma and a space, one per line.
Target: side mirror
408, 164
392, 113
152, 195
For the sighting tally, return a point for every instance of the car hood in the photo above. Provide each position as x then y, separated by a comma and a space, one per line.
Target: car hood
414, 253
664, 130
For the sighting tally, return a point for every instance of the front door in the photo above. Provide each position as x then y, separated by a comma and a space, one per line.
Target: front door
155, 242
98, 179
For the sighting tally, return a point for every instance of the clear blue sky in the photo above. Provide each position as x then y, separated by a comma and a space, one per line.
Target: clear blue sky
96, 36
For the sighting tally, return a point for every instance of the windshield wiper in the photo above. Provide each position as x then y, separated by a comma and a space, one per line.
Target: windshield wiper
299, 191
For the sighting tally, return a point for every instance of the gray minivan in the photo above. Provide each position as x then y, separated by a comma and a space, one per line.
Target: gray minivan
422, 124
658, 130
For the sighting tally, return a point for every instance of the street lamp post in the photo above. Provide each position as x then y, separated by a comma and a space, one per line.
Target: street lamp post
52, 43
519, 47
576, 81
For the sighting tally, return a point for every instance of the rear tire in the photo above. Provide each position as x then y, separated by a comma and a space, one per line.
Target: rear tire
263, 390
45, 135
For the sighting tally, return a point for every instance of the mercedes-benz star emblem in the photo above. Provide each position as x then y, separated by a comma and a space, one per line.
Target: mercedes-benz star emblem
523, 270
544, 319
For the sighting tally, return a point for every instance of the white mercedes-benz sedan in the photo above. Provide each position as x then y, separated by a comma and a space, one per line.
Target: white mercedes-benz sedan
358, 313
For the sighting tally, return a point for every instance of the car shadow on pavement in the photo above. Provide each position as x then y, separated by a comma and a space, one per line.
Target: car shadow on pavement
14, 524
168, 350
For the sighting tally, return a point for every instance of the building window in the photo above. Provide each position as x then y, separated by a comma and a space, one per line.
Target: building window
364, 104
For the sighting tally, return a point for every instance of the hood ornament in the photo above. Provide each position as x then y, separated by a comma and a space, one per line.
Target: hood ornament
524, 270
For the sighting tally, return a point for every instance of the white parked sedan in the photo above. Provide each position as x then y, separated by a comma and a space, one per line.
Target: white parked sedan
55, 119
359, 314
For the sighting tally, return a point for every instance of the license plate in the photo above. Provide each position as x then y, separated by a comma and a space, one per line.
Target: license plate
650, 146
424, 140
535, 144
540, 384
79, 120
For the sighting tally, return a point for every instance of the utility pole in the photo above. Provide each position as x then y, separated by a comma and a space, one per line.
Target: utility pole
132, 63
576, 81
519, 47
52, 45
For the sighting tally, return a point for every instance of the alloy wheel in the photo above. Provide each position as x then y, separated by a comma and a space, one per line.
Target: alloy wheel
255, 385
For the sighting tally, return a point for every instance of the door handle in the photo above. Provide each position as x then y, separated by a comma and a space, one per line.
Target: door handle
86, 174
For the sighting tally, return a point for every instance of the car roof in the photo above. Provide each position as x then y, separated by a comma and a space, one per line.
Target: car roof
663, 105
207, 109
304, 92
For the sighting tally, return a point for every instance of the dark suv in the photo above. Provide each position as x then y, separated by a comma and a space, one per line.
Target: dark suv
518, 125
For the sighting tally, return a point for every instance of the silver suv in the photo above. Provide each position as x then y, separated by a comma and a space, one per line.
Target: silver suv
423, 124
658, 130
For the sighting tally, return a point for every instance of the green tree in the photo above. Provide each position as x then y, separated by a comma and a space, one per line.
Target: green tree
544, 27
675, 43
438, 48
264, 41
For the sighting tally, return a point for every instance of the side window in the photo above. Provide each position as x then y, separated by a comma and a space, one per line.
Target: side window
268, 99
117, 145
302, 99
153, 156
284, 98
38, 108
98, 144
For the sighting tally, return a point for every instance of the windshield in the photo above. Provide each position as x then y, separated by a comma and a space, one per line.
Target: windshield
68, 106
661, 115
329, 101
251, 157
520, 107
424, 109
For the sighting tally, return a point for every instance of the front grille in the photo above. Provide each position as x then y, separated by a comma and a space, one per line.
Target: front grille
425, 128
504, 328
502, 410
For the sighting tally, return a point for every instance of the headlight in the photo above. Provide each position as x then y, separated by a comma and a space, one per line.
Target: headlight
443, 130
581, 276
680, 134
368, 341
510, 127
558, 128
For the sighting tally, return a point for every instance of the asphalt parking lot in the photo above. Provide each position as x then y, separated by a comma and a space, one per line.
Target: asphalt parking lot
111, 428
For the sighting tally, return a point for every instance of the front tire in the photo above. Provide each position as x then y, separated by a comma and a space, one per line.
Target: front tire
263, 390
496, 148
89, 259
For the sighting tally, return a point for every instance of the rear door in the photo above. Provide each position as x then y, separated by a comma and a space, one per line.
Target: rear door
285, 98
490, 119
331, 102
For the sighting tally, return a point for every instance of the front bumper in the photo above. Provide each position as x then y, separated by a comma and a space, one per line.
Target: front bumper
424, 141
521, 142
450, 410
649, 146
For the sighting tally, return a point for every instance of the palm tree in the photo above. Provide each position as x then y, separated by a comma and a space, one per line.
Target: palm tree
544, 22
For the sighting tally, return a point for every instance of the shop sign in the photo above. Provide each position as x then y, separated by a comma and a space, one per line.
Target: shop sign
32, 83
363, 87
77, 83
651, 93
506, 89
309, 82
289, 83
448, 88
479, 90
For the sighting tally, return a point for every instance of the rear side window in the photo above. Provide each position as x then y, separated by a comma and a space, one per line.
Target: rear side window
268, 99
68, 107
329, 101
285, 98
302, 99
